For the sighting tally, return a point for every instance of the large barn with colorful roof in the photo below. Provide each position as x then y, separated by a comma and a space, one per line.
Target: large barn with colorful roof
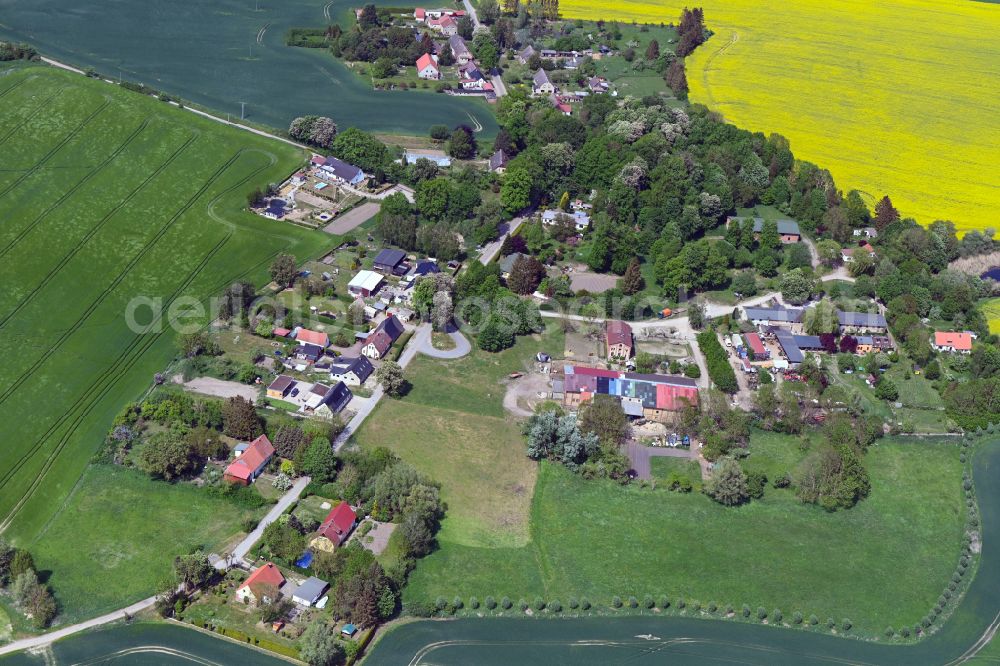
655, 397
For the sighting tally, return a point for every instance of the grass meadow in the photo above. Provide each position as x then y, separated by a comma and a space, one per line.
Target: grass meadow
105, 196
908, 87
453, 428
119, 533
883, 562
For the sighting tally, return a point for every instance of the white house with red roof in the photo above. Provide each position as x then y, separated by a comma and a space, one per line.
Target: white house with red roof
427, 67
953, 341
263, 586
419, 14
315, 338
251, 463
335, 529
446, 25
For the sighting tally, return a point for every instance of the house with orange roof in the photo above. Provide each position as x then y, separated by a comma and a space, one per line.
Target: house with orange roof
251, 463
427, 67
953, 341
335, 529
316, 338
262, 587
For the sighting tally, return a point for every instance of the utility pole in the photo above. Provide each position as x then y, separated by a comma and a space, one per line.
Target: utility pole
243, 106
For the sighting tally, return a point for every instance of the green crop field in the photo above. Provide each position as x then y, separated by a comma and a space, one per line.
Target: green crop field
107, 196
219, 53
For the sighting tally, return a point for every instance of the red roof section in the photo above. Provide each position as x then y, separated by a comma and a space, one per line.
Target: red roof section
258, 453
619, 333
596, 372
419, 13
756, 346
425, 60
280, 332
267, 574
673, 398
338, 523
312, 337
955, 339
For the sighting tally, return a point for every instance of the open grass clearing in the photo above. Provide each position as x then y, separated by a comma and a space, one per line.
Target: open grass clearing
486, 480
884, 562
118, 534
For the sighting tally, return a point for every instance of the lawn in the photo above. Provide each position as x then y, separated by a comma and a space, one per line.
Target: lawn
896, 82
108, 197
118, 534
486, 480
664, 467
473, 384
883, 562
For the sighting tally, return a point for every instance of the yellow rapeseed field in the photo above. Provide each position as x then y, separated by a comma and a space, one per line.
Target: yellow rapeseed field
898, 97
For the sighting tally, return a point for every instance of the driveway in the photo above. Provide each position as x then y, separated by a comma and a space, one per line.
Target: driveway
221, 388
640, 455
491, 250
353, 218
243, 547
461, 348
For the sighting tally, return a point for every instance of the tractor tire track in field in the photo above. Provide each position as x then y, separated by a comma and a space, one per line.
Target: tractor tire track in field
59, 146
117, 281
16, 85
708, 65
105, 382
41, 107
93, 231
71, 191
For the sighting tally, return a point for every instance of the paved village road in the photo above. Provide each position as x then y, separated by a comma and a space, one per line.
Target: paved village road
241, 549
491, 250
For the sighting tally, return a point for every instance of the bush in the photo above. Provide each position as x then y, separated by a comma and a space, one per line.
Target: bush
647, 602
746, 611
522, 604
539, 604
830, 623
440, 603
719, 369
664, 602
419, 609
761, 613
616, 602
555, 606
633, 602
585, 603
846, 624
776, 615
796, 617
505, 603
696, 606
889, 632
813, 620
681, 604
905, 632
573, 603
491, 603
457, 603
729, 609
473, 603
712, 607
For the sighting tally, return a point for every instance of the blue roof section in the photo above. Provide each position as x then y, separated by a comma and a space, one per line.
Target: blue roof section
788, 346
808, 341
774, 314
871, 319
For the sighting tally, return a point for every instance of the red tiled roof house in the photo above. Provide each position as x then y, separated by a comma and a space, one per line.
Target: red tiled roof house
263, 585
953, 341
251, 463
619, 336
335, 528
